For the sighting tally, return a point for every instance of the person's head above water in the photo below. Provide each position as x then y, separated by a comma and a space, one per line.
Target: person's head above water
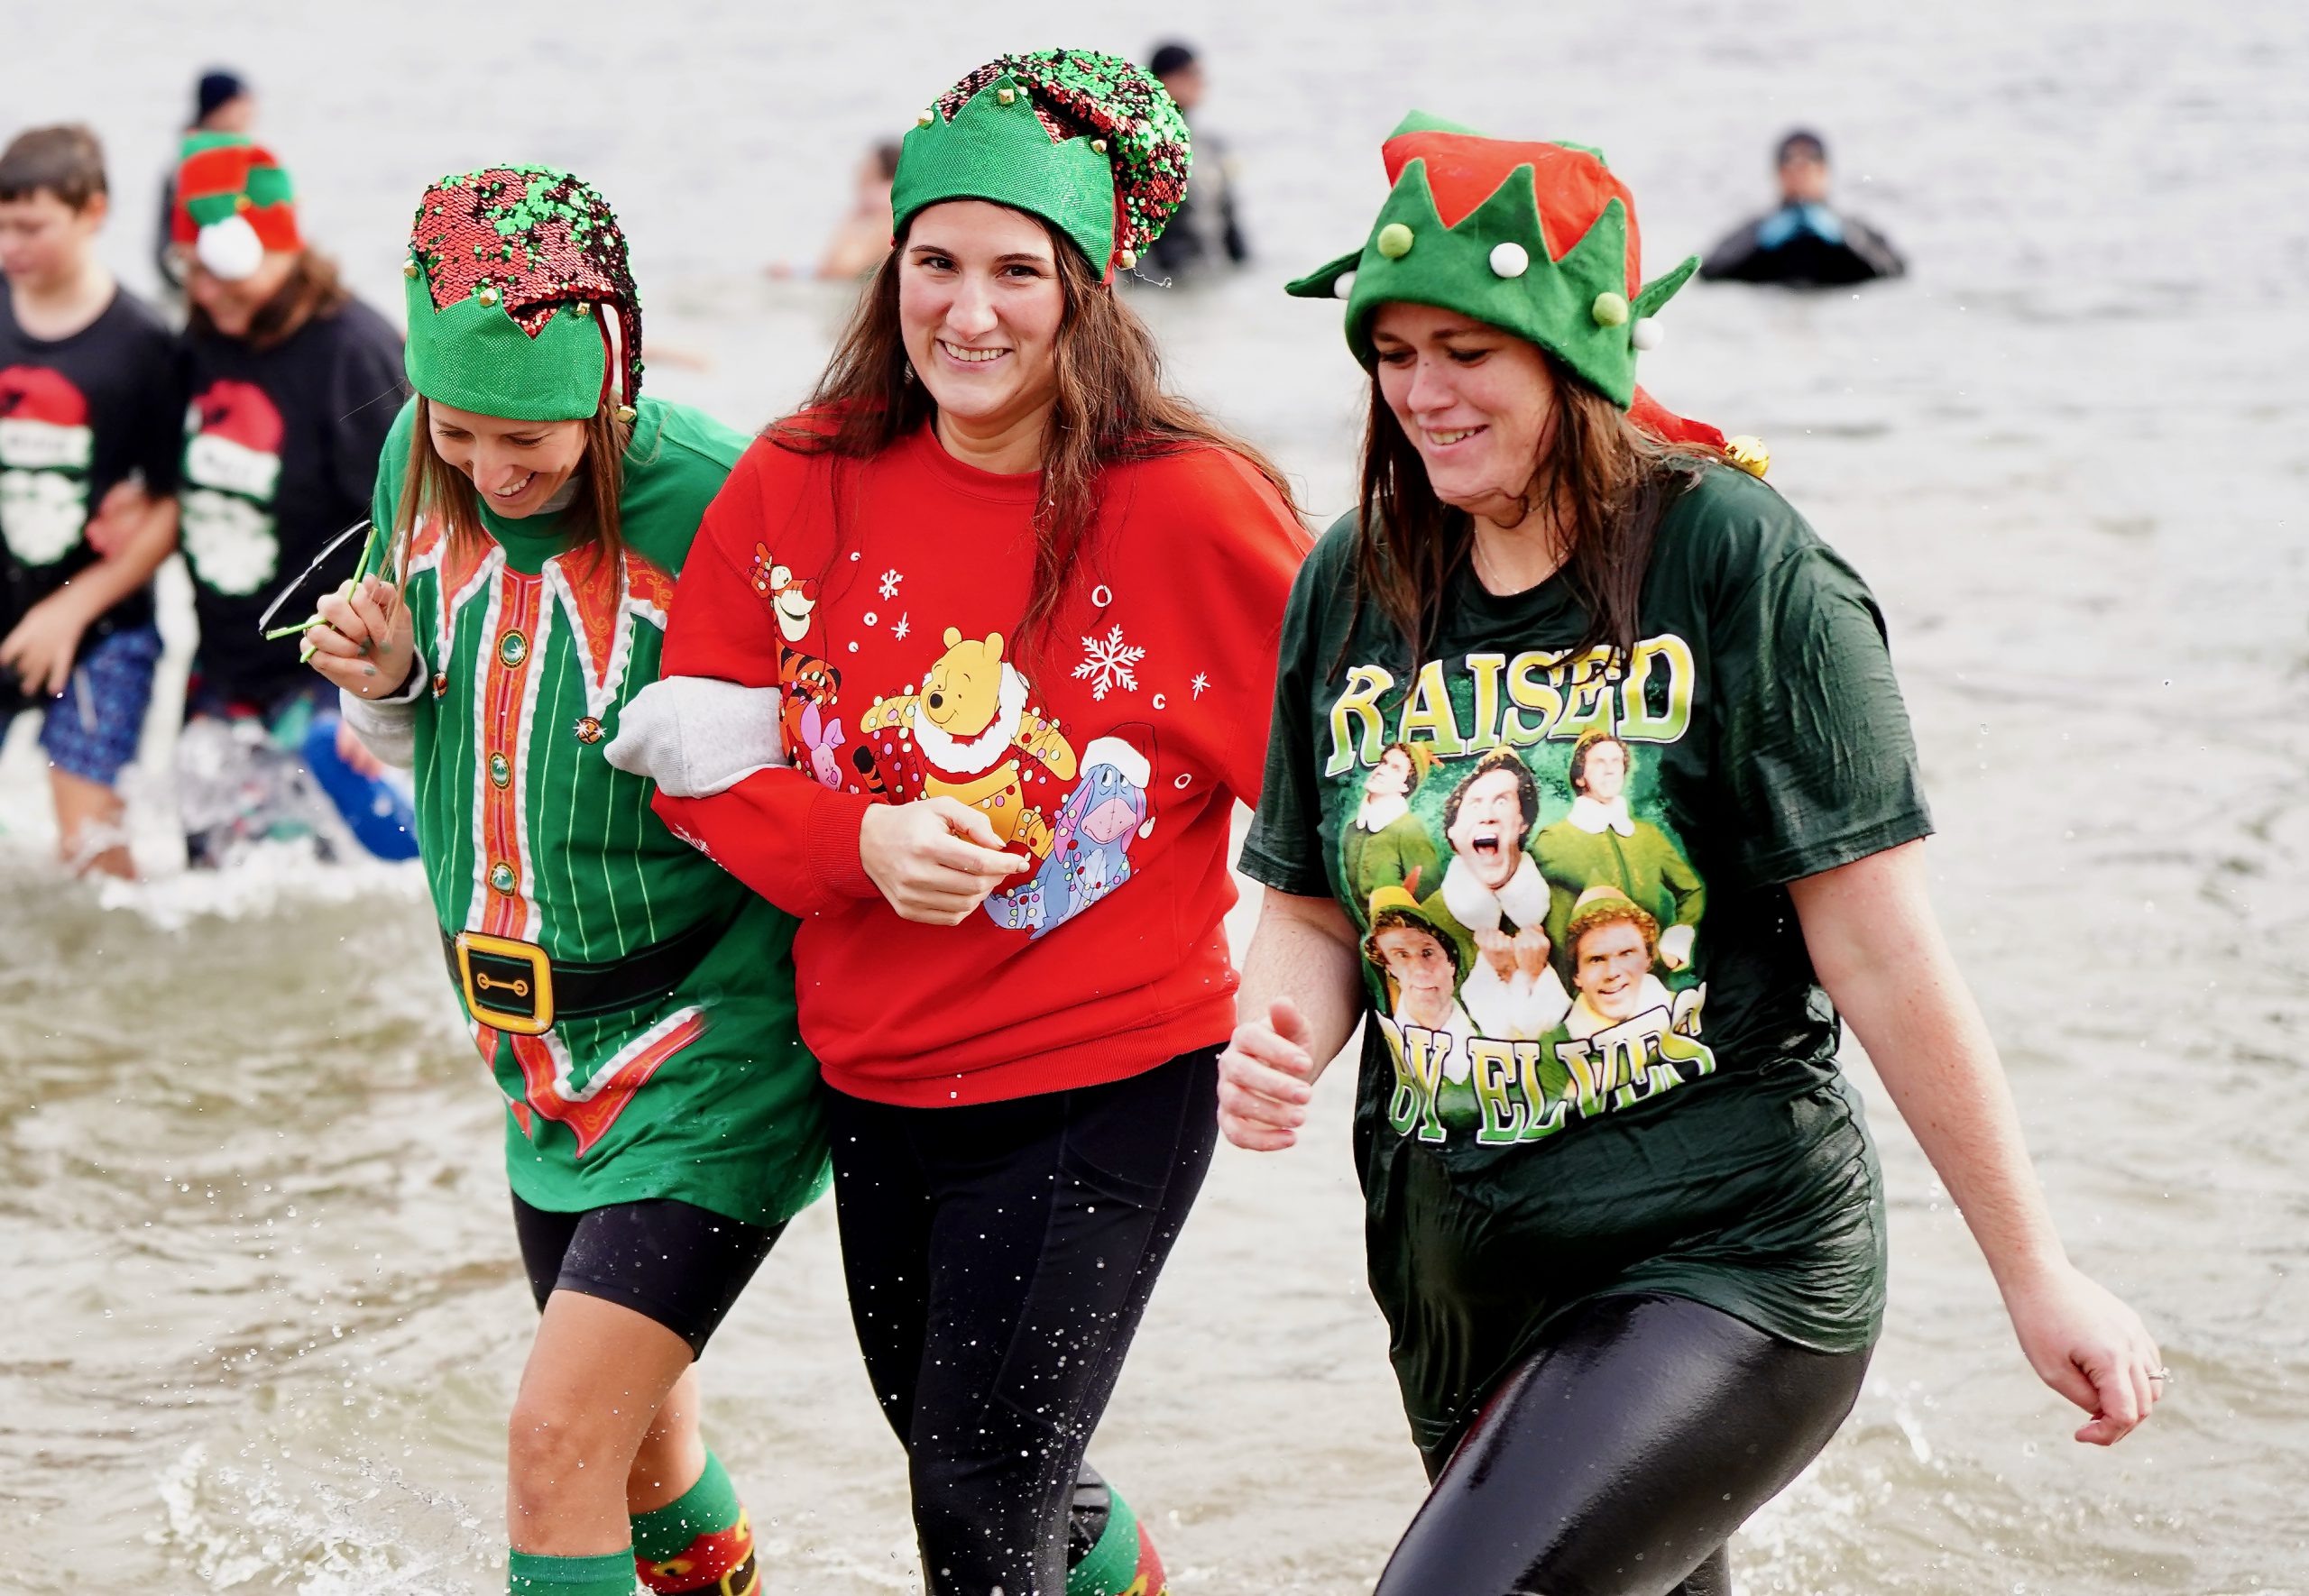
223, 101
1801, 161
516, 278
1178, 69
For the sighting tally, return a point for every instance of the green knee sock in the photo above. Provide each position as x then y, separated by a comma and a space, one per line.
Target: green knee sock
532, 1575
702, 1540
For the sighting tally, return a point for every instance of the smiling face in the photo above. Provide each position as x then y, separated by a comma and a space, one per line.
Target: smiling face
515, 465
1609, 963
979, 305
231, 304
1603, 775
1487, 831
1477, 403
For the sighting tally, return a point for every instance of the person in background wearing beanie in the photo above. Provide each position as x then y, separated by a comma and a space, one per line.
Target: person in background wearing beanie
635, 1003
89, 433
1805, 243
1013, 608
1635, 1278
1204, 231
222, 106
293, 385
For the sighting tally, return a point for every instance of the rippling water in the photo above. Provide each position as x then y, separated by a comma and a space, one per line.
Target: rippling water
261, 1317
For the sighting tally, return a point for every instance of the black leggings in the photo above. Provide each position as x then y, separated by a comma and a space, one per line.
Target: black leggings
1618, 1459
998, 1256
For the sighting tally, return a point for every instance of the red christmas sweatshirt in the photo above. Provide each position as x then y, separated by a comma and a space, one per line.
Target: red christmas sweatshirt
882, 597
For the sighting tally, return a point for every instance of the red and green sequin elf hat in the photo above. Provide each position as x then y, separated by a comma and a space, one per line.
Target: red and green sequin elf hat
509, 270
1090, 143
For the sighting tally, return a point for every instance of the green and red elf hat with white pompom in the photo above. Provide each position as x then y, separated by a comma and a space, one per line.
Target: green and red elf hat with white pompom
513, 273
1537, 239
1090, 143
233, 202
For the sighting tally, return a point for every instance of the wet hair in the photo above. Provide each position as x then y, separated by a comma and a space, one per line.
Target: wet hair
1170, 56
311, 291
1611, 479
432, 490
1606, 911
1803, 141
1577, 774
1110, 409
1403, 919
1527, 791
65, 161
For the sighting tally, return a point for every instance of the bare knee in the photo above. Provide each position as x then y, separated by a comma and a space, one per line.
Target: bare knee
553, 1448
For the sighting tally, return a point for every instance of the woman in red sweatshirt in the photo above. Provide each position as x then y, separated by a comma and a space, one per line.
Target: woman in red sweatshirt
967, 669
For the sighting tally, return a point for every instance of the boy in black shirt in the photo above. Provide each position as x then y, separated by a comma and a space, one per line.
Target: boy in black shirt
89, 401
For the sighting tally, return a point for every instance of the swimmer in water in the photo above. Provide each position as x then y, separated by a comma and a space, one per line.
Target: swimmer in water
1805, 242
1636, 1298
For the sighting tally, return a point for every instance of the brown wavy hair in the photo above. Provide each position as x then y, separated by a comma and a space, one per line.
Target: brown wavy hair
1111, 409
1609, 480
432, 490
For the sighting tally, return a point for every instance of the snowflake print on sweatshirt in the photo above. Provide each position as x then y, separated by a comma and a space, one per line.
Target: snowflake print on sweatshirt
1107, 664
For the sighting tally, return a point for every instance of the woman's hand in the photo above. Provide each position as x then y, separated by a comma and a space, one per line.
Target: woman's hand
1266, 1079
366, 642
934, 860
2086, 1343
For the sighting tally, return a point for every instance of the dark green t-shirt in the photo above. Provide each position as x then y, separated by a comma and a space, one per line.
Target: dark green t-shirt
1597, 1058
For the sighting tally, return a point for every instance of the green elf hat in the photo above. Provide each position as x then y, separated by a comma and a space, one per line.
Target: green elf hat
1538, 239
510, 269
233, 202
1090, 143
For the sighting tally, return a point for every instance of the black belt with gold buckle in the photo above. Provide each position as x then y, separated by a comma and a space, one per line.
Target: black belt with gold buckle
513, 986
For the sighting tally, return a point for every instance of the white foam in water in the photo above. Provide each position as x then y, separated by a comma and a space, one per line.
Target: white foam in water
240, 1526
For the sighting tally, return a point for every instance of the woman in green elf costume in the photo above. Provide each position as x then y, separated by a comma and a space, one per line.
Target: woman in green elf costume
1634, 1272
634, 1003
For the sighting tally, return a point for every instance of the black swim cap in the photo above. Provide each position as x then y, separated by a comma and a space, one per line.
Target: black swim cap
1168, 59
1802, 142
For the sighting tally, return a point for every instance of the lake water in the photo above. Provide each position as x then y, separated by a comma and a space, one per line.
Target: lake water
260, 1310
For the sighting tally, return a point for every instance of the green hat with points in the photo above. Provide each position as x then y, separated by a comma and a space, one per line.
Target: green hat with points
1538, 239
1090, 143
511, 270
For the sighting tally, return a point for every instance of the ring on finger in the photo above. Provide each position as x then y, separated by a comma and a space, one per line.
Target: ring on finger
2160, 1372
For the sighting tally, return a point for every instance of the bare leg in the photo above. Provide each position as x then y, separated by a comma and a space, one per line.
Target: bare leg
597, 1377
672, 1454
90, 835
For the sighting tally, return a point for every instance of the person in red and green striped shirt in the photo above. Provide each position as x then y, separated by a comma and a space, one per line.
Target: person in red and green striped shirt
634, 1001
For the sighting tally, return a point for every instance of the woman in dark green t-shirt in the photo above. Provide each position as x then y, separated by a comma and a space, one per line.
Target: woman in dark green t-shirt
1624, 1214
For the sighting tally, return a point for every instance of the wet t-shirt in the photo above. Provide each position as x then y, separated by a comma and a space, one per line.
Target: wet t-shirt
1596, 1057
79, 415
280, 456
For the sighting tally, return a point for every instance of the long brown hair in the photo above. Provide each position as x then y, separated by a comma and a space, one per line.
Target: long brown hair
312, 289
1110, 409
432, 490
1605, 481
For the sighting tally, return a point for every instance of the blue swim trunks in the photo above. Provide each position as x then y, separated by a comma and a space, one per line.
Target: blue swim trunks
91, 728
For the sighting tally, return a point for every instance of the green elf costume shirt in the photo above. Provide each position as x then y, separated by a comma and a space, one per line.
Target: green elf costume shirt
1560, 1096
531, 643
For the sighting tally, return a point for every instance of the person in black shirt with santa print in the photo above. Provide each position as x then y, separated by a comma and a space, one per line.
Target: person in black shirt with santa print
293, 385
87, 406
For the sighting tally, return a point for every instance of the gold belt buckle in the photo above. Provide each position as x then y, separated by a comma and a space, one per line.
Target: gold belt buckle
509, 985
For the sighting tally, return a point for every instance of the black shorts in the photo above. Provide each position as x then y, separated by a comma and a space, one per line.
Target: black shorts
669, 1261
